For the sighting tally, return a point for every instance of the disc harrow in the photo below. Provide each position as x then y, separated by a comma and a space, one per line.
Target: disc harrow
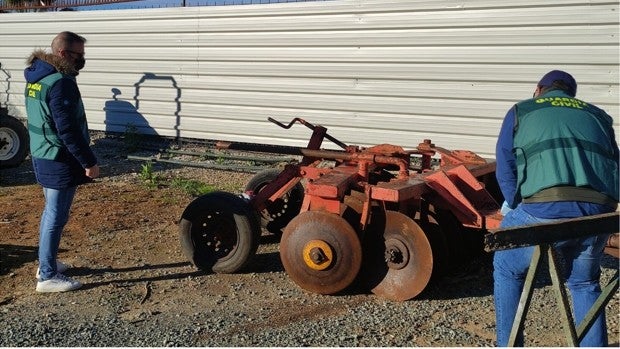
383, 217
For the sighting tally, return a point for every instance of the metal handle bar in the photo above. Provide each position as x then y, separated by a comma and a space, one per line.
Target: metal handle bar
308, 125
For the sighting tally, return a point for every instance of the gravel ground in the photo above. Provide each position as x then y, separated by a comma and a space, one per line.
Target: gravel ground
141, 291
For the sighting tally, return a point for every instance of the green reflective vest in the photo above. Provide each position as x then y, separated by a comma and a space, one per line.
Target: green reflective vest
565, 151
44, 141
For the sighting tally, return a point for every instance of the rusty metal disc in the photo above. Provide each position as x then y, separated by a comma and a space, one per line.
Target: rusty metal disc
321, 252
398, 260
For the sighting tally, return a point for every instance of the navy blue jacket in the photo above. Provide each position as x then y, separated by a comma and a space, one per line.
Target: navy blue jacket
67, 170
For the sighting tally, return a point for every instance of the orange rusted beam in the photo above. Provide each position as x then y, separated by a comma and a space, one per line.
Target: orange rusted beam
399, 190
333, 184
471, 203
316, 203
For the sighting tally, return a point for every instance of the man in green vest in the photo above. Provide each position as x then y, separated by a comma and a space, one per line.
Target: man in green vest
557, 157
60, 147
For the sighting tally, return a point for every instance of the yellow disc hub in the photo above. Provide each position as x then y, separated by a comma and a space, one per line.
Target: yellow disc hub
318, 255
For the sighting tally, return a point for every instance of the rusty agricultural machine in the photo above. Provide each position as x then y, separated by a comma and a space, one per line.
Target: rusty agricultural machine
385, 216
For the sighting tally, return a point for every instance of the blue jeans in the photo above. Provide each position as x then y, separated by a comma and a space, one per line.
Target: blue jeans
55, 216
583, 261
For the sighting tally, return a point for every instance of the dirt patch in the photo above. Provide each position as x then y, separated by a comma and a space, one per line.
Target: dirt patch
122, 241
118, 224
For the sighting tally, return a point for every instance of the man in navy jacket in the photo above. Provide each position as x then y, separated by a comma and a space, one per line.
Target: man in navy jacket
60, 147
557, 157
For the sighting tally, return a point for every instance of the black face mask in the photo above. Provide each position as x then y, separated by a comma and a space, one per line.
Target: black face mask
79, 63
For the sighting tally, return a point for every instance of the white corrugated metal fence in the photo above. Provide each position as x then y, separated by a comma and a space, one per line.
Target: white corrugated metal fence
371, 71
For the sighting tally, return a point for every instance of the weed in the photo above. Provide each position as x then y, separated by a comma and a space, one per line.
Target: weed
192, 187
147, 176
170, 200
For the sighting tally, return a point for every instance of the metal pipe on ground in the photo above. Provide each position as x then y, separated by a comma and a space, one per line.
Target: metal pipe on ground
239, 168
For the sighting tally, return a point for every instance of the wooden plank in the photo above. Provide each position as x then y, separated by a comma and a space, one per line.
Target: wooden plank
547, 233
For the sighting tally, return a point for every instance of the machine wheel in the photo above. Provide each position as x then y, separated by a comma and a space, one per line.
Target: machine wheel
454, 235
439, 245
321, 252
219, 232
398, 260
279, 213
14, 141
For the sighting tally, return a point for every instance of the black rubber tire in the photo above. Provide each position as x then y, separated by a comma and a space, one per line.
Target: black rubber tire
439, 245
279, 213
219, 232
14, 141
454, 236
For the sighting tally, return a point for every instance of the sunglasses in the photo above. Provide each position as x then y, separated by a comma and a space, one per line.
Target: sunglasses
80, 54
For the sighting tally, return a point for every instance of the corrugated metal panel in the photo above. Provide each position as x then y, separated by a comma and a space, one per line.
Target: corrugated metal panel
372, 71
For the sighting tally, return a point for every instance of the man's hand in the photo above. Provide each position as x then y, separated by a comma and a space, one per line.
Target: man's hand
92, 172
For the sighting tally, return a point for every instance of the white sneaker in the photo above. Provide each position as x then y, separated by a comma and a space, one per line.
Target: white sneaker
60, 268
58, 283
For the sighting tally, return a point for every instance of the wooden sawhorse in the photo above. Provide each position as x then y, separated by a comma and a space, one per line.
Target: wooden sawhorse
542, 236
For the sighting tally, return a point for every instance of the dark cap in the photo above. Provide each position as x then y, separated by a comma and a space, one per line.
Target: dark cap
563, 76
